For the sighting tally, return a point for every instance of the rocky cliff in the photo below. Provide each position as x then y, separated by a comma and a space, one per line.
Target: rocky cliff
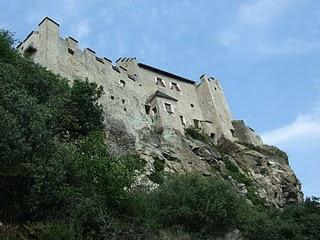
261, 173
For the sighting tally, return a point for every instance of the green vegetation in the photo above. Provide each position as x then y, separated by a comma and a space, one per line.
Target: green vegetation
267, 150
233, 171
197, 134
158, 175
58, 180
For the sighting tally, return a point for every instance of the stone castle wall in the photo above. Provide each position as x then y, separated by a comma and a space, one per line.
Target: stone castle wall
129, 86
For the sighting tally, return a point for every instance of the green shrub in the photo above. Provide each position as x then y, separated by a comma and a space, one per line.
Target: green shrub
158, 175
197, 134
294, 222
197, 203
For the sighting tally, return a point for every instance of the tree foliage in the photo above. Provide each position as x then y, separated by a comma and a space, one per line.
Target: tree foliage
55, 169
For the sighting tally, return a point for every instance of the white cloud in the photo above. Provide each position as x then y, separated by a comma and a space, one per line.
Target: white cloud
261, 11
82, 29
304, 131
289, 46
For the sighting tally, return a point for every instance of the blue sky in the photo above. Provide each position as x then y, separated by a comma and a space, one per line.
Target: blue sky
265, 52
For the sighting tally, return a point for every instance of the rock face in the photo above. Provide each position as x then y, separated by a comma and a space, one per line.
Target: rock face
147, 108
260, 173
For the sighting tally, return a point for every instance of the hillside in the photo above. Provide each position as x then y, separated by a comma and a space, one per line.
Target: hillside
70, 171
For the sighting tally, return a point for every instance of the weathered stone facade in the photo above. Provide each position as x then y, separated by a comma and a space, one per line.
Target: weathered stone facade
135, 93
146, 110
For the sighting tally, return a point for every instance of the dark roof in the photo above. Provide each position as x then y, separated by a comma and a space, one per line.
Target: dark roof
165, 73
73, 39
107, 59
48, 19
162, 95
91, 50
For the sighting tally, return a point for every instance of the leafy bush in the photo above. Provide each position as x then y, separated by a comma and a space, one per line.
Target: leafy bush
195, 202
197, 134
158, 175
300, 221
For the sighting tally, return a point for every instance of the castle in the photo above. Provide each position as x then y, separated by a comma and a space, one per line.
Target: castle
137, 94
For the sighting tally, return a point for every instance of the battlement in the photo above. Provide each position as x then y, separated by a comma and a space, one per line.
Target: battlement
136, 94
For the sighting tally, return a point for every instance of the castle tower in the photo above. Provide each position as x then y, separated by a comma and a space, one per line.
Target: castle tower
215, 108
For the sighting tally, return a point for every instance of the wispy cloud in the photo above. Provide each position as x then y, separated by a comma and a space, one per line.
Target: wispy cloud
82, 29
290, 46
261, 11
302, 131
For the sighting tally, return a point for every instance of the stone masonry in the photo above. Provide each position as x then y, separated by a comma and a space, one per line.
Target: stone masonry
137, 94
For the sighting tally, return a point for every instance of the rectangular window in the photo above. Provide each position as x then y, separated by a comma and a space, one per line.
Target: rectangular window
175, 86
183, 120
70, 51
168, 107
196, 123
154, 110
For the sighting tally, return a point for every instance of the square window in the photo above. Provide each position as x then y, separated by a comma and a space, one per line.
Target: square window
70, 51
168, 108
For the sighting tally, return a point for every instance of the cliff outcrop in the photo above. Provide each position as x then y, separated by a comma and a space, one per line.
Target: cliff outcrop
261, 173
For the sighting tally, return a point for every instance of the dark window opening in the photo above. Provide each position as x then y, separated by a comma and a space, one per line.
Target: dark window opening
125, 109
122, 83
168, 107
140, 85
154, 110
70, 51
212, 136
160, 82
196, 123
183, 121
30, 51
191, 105
123, 101
147, 108
175, 86
232, 132
112, 97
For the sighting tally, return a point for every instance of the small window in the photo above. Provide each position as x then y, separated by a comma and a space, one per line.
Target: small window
191, 105
168, 108
154, 110
112, 97
70, 51
232, 132
160, 82
175, 86
147, 108
212, 136
125, 109
196, 123
123, 101
183, 120
122, 83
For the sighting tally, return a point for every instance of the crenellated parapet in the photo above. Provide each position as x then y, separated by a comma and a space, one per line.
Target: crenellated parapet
177, 102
